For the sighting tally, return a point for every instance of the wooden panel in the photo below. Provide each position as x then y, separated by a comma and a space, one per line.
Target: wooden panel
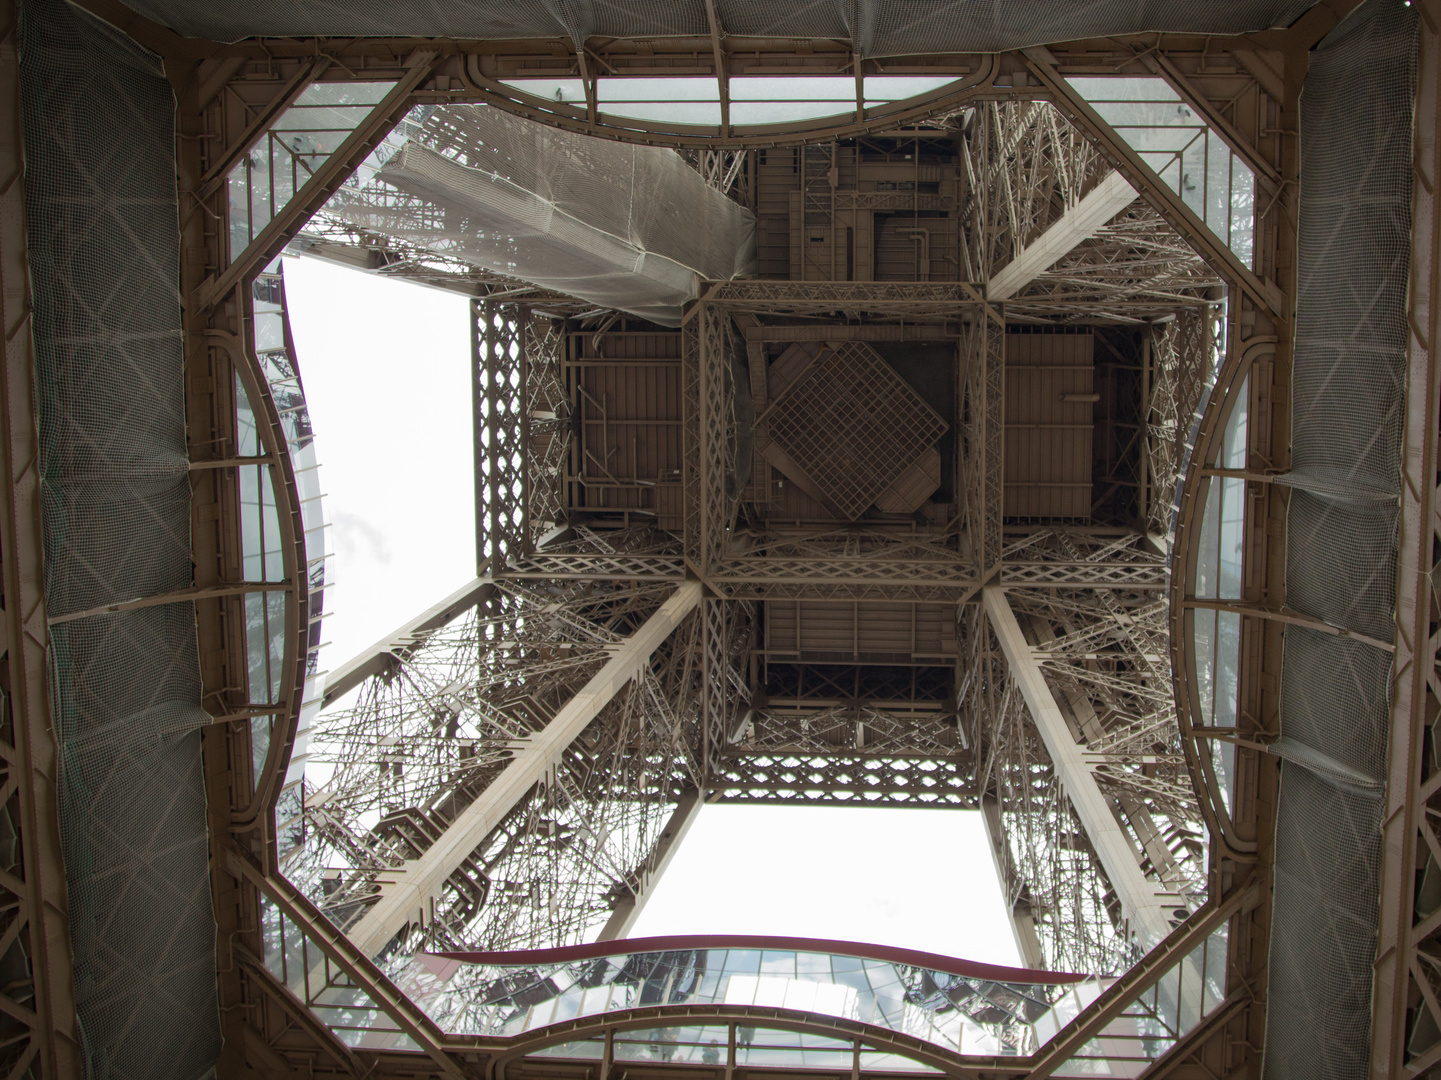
1050, 383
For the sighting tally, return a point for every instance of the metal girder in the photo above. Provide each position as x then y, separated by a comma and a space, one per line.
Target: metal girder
617, 566
279, 230
844, 779
1122, 995
1080, 222
1084, 575
42, 994
406, 893
1148, 908
352, 961
629, 907
1405, 988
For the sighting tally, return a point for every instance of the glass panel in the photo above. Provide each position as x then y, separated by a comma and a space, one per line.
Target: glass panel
1215, 968
259, 743
779, 112
881, 88
1216, 635
1156, 1017
301, 964
570, 91
610, 90
671, 112
1151, 117
952, 1009
794, 88
878, 1062
586, 1049
263, 556
687, 100
299, 142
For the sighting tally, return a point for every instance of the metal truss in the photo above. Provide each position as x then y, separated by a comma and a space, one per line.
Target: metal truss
1032, 166
1108, 663
1048, 870
1135, 269
1061, 558
724, 170
989, 476
557, 862
337, 240
639, 553
523, 429
844, 780
427, 739
850, 299
727, 636
1182, 355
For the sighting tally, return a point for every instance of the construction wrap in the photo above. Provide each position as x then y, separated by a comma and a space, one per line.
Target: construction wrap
627, 227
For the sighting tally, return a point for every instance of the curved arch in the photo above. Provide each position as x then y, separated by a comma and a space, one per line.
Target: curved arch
876, 119
292, 535
1221, 401
878, 1038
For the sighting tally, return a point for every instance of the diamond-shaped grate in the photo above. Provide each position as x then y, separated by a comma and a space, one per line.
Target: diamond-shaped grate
852, 425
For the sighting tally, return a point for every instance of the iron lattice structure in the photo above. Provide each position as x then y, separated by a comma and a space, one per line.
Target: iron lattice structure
595, 507
416, 747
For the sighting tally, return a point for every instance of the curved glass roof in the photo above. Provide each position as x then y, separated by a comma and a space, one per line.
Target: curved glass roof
754, 100
1216, 634
955, 1004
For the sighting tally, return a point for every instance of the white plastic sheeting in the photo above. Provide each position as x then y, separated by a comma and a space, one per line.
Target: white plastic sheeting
622, 226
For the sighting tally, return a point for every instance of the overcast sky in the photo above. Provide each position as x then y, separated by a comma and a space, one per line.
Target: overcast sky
385, 369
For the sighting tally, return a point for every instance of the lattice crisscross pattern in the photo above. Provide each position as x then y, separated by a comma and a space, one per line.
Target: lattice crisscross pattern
853, 425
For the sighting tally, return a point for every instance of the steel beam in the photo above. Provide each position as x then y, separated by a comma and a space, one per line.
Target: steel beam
1152, 188
1078, 223
623, 919
1145, 905
40, 910
356, 966
1403, 991
406, 893
279, 230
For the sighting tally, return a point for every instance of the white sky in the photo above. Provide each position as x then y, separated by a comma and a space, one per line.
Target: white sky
385, 366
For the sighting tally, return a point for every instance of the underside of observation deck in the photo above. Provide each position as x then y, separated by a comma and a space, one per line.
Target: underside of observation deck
960, 476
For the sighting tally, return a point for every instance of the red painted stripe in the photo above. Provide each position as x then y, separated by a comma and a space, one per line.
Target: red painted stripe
624, 947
